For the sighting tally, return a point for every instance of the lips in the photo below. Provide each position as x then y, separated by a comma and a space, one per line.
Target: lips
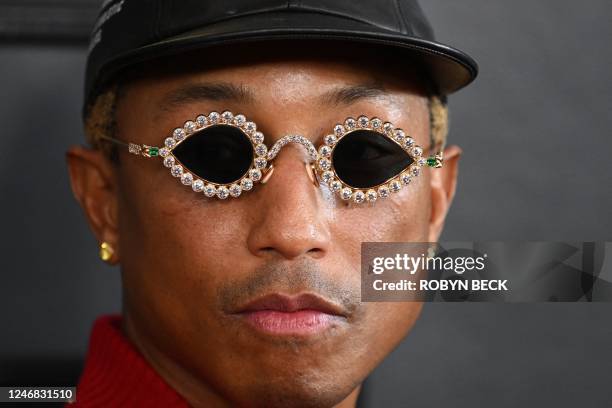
282, 315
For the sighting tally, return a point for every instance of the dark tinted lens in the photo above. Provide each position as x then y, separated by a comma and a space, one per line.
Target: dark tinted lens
365, 158
221, 154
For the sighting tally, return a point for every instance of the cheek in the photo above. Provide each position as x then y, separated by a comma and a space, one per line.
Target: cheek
390, 322
161, 216
186, 244
402, 217
196, 233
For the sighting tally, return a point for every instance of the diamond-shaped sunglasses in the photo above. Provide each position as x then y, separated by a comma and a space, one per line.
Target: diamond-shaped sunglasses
224, 155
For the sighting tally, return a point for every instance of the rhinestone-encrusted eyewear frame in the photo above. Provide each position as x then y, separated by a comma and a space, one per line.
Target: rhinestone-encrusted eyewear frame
325, 162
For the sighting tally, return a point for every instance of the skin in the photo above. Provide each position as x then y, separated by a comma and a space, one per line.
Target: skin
186, 260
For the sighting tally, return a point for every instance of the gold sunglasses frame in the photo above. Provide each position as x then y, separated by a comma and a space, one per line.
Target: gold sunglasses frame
327, 173
261, 167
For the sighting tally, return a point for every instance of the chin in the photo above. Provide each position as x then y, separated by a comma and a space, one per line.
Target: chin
297, 392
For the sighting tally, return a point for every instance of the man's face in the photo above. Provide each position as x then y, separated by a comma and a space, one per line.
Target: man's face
212, 287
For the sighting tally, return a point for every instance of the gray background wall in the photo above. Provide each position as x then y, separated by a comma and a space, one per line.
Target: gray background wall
536, 134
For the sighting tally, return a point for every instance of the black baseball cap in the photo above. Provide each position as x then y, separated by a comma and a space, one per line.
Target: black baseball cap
129, 32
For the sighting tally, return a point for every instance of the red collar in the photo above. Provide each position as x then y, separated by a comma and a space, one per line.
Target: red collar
117, 375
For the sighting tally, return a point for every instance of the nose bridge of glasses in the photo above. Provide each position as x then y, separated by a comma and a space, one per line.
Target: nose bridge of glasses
297, 139
300, 140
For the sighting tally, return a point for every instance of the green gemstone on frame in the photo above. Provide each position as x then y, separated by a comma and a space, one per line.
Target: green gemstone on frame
154, 151
431, 161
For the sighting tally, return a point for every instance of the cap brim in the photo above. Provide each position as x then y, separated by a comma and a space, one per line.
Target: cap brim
449, 68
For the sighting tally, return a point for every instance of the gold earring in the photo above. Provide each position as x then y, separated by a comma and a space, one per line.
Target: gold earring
106, 251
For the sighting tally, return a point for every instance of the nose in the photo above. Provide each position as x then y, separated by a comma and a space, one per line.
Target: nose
289, 218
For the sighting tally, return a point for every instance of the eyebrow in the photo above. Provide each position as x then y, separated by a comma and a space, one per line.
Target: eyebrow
209, 91
225, 91
347, 95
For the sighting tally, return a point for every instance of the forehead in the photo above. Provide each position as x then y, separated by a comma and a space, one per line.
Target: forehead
285, 89
282, 67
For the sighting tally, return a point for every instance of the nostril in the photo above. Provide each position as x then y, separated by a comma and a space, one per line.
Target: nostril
316, 253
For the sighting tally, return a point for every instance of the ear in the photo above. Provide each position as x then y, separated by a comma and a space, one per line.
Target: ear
94, 185
443, 185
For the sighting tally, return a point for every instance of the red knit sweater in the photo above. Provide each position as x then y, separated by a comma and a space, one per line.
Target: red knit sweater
117, 375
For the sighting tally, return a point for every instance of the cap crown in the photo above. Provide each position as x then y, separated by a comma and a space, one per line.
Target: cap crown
131, 31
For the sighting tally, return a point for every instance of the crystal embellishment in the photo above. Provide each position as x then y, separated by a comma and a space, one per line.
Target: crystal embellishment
223, 192
187, 179
350, 124
246, 184
190, 127
176, 170
239, 120
250, 127
324, 164
210, 190
383, 191
363, 122
258, 137
399, 135
330, 140
346, 193
310, 149
179, 134
388, 128
395, 186
227, 116
169, 161
405, 178
325, 151
359, 197
134, 148
170, 142
202, 121
235, 190
197, 186
327, 176
214, 117
261, 149
339, 130
255, 174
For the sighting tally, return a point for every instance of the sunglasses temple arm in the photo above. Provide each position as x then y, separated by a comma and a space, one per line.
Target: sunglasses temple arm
133, 148
113, 140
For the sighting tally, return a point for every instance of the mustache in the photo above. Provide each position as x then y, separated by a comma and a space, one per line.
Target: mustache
304, 276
